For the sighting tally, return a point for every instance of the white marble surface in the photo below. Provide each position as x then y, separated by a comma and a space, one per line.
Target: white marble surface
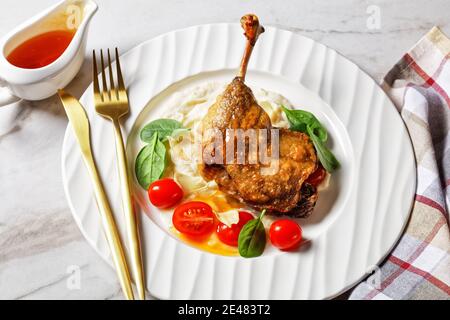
39, 241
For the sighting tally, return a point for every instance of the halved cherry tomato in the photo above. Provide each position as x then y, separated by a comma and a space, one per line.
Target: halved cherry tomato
165, 193
230, 234
317, 176
285, 234
194, 218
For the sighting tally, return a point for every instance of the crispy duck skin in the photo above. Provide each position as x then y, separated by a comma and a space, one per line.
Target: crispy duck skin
283, 192
236, 108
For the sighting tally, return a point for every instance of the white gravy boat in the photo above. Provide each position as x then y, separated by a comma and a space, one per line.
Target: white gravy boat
37, 84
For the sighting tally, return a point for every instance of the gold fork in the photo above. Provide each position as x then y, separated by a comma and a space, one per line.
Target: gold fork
113, 104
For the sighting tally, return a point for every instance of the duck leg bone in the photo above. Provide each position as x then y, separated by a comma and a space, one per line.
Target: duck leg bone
252, 30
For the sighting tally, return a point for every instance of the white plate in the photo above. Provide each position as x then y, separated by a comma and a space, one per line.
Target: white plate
357, 220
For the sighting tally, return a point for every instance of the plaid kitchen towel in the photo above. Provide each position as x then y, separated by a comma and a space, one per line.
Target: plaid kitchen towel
419, 267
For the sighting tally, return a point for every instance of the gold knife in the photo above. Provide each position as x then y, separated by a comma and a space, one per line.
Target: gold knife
80, 125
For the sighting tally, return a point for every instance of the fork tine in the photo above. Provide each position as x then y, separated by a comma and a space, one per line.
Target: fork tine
120, 83
95, 76
113, 91
105, 87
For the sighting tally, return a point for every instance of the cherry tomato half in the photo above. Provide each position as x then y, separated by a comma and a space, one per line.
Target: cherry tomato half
194, 219
165, 193
285, 234
230, 234
317, 176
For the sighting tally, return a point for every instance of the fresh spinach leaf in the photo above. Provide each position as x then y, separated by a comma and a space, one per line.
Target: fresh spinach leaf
252, 238
150, 162
301, 119
164, 128
326, 157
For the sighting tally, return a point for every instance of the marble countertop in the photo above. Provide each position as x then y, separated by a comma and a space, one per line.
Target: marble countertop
40, 244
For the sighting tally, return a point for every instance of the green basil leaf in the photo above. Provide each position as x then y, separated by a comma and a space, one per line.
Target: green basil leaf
252, 238
326, 157
150, 162
306, 122
299, 120
164, 128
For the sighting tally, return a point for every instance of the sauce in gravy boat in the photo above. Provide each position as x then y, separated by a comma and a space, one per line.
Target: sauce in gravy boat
41, 82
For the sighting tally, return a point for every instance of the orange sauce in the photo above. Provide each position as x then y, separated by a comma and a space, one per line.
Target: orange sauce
219, 203
211, 244
41, 50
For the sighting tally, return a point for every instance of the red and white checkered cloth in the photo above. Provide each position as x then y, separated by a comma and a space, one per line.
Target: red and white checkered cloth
419, 267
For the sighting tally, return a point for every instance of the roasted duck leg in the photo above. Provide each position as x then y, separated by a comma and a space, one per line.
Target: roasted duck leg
283, 191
